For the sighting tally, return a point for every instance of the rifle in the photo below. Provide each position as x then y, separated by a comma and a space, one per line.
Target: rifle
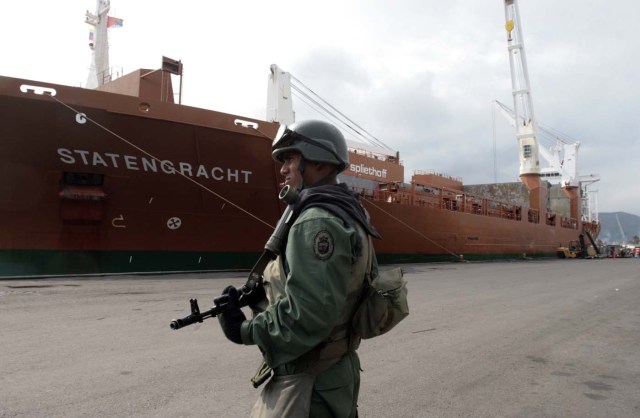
271, 251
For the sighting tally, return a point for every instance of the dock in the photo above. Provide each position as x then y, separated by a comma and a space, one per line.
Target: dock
529, 338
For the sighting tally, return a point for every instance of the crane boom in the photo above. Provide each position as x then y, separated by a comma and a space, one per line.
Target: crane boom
624, 238
526, 129
522, 102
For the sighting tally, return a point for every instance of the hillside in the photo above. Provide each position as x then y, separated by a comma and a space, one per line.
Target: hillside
610, 232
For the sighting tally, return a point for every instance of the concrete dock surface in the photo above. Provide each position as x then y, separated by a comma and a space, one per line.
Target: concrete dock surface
543, 338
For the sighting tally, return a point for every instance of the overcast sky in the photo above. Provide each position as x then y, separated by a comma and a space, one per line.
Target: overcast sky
418, 74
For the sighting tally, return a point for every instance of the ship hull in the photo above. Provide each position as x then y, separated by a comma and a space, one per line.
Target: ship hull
94, 182
419, 234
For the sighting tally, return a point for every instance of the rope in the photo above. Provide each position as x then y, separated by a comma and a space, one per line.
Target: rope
458, 256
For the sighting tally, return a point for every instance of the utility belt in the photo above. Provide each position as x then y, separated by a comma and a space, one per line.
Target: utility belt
340, 342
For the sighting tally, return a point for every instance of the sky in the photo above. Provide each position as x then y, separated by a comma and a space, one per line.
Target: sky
420, 75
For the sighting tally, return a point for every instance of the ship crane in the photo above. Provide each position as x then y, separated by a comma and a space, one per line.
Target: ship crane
561, 157
622, 235
526, 128
523, 107
522, 102
562, 164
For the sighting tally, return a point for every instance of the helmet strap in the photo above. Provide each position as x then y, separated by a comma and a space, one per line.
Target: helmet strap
301, 167
323, 180
327, 178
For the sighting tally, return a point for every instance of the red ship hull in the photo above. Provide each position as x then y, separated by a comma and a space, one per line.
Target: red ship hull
95, 182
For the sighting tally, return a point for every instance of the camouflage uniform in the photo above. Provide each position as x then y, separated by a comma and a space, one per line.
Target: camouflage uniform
304, 333
313, 287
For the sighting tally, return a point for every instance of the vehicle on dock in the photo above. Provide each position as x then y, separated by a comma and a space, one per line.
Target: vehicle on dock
575, 250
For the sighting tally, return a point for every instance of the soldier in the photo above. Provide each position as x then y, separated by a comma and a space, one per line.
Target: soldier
313, 287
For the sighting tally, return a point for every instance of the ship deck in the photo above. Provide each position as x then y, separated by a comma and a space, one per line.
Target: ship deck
522, 338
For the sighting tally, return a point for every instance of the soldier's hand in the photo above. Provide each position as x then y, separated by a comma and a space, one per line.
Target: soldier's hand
254, 296
232, 317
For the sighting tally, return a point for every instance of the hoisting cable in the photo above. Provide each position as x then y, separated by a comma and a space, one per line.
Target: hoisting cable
310, 102
360, 131
202, 186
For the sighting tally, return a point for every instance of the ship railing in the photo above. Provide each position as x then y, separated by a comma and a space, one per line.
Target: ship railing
427, 200
435, 173
551, 219
445, 199
569, 223
108, 75
479, 205
457, 201
353, 148
503, 210
593, 227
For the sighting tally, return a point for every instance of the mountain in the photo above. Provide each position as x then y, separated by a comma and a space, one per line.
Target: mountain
615, 224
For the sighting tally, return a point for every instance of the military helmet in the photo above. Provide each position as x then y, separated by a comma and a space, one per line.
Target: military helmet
316, 140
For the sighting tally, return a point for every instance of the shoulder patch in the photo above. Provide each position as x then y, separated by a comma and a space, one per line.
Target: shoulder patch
323, 245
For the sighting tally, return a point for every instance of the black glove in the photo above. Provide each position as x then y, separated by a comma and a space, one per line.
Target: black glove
232, 317
255, 296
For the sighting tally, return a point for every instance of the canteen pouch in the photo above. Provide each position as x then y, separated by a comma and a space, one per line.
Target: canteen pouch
383, 304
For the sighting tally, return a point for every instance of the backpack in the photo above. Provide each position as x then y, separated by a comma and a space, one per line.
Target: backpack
383, 303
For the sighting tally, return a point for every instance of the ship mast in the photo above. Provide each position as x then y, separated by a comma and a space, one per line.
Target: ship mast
279, 103
99, 70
